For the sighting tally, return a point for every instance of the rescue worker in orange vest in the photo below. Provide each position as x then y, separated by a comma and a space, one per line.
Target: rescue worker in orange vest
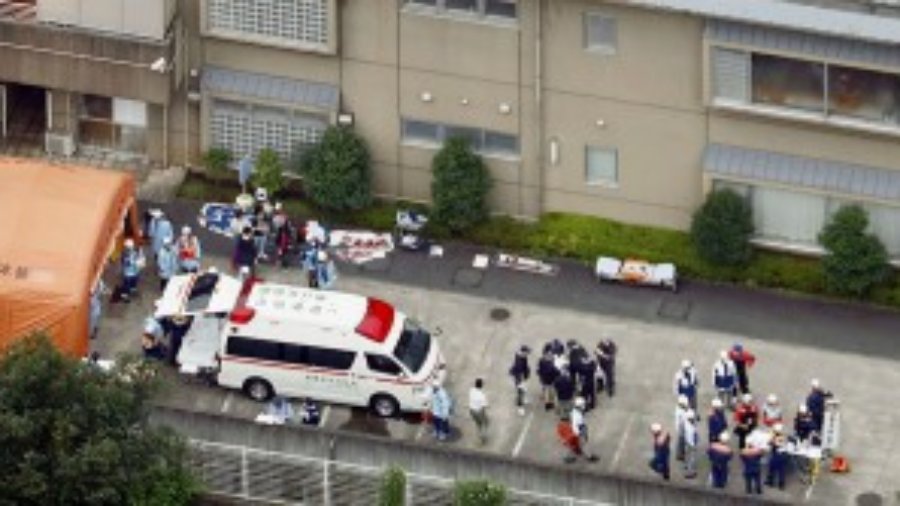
746, 418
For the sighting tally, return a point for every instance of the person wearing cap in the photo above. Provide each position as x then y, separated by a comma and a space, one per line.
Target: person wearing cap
778, 458
720, 454
441, 406
326, 272
565, 393
478, 404
245, 252
724, 377
686, 383
746, 418
717, 422
132, 264
751, 456
166, 263
547, 374
520, 372
606, 359
691, 442
576, 419
189, 252
771, 411
804, 424
587, 380
661, 451
159, 230
815, 401
681, 410
743, 360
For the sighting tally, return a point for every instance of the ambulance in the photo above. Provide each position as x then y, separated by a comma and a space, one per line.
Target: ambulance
275, 339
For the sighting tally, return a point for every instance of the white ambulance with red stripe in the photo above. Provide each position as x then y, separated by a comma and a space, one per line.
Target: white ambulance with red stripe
331, 346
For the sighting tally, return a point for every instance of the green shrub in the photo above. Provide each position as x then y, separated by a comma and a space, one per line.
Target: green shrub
722, 227
216, 161
392, 490
855, 261
460, 186
336, 171
268, 172
479, 493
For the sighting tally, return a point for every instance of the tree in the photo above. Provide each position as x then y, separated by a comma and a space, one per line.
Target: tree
268, 172
337, 172
855, 260
216, 161
460, 186
722, 227
479, 493
392, 491
74, 434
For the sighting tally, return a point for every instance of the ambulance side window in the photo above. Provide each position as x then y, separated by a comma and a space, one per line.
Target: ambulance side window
330, 358
382, 364
253, 348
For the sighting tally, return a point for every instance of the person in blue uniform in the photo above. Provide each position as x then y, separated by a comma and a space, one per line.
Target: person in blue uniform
720, 455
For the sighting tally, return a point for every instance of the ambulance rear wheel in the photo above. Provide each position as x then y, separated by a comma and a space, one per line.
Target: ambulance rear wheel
258, 389
385, 406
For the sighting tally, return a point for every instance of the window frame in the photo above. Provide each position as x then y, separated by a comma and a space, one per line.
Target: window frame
443, 133
616, 160
480, 13
600, 49
370, 356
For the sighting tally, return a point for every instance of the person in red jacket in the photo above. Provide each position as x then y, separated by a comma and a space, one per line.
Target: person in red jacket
743, 360
746, 418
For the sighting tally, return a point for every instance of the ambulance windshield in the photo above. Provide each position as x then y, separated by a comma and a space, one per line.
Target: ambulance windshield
413, 346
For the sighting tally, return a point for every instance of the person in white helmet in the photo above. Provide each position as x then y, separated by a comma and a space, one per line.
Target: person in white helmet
724, 376
660, 461
815, 401
326, 272
691, 442
579, 429
717, 422
681, 411
771, 411
686, 383
132, 264
804, 424
189, 251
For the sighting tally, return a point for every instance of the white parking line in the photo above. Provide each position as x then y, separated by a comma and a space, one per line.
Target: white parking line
809, 490
226, 404
324, 418
622, 442
521, 440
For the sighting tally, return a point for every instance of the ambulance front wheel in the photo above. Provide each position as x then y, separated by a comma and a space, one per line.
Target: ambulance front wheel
258, 389
385, 406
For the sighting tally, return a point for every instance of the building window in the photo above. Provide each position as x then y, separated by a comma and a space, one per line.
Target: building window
600, 32
601, 166
113, 123
293, 21
785, 82
462, 5
485, 142
503, 9
863, 94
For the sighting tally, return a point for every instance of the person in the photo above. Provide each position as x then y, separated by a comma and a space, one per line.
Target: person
478, 404
686, 383
743, 360
746, 418
189, 252
261, 231
557, 348
440, 411
280, 410
151, 340
520, 372
580, 430
132, 264
576, 352
547, 374
661, 452
778, 458
815, 401
691, 442
245, 252
681, 410
309, 258
771, 411
180, 325
804, 424
725, 379
309, 412
326, 273
284, 238
565, 393
587, 374
751, 457
606, 359
96, 311
160, 230
717, 423
720, 455
166, 263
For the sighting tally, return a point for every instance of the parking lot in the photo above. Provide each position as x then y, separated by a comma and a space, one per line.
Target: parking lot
477, 345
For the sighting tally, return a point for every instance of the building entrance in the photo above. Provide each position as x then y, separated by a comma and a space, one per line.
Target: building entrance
24, 113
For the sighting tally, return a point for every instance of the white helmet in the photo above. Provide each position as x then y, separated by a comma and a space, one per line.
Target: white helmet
748, 398
772, 399
682, 400
778, 428
685, 363
803, 408
724, 437
655, 428
212, 270
717, 403
185, 230
815, 383
322, 256
690, 415
579, 403
129, 243
261, 194
723, 355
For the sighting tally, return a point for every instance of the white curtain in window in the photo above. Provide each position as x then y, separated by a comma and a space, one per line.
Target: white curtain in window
788, 216
129, 112
884, 222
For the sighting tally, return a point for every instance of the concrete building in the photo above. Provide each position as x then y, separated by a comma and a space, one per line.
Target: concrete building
626, 109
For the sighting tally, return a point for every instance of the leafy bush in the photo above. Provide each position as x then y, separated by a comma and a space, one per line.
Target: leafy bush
722, 227
336, 172
268, 172
479, 493
856, 261
216, 161
460, 186
392, 491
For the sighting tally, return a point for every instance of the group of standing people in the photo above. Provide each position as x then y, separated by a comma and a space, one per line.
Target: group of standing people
730, 380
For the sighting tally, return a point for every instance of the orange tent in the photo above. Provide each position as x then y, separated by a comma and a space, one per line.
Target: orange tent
58, 226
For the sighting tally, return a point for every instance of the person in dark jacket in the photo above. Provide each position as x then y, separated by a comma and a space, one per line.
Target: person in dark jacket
743, 360
557, 347
547, 374
717, 421
752, 459
520, 372
778, 458
661, 451
804, 424
587, 380
746, 418
565, 393
576, 352
606, 359
720, 455
245, 250
815, 401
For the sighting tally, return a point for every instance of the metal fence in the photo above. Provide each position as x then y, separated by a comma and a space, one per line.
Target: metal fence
243, 473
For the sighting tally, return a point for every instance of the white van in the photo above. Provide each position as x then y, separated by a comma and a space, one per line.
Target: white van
331, 346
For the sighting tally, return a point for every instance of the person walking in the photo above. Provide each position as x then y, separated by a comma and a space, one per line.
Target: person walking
310, 259
771, 411
691, 442
743, 361
160, 230
189, 251
565, 393
245, 253
441, 406
261, 230
166, 263
326, 272
751, 457
661, 451
681, 411
132, 264
587, 380
746, 418
547, 374
778, 458
720, 455
724, 376
686, 383
478, 404
580, 429
815, 401
717, 422
606, 359
520, 372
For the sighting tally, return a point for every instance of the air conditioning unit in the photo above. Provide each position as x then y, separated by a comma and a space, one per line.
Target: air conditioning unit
59, 144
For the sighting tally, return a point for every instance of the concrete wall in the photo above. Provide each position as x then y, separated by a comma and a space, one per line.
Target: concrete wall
444, 462
133, 18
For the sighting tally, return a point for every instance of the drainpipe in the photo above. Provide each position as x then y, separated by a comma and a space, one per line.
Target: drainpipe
538, 101
165, 141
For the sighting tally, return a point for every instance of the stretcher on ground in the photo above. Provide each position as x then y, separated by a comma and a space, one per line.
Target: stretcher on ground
636, 272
